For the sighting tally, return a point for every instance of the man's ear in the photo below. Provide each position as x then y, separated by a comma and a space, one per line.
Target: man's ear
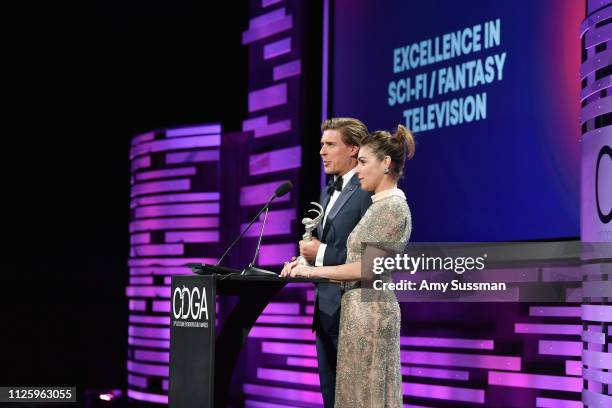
354, 151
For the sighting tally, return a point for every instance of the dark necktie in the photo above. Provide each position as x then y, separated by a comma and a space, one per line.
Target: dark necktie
334, 185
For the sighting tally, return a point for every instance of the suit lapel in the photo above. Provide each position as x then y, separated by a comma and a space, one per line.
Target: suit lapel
344, 197
324, 201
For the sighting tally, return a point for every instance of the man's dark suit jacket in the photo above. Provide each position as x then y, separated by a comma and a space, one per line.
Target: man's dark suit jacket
348, 209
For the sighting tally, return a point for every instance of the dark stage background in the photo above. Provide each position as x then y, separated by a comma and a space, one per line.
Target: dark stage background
81, 82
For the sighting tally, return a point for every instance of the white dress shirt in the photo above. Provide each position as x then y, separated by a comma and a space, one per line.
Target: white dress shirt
334, 197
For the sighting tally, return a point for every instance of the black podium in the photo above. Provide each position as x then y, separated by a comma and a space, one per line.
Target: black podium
202, 362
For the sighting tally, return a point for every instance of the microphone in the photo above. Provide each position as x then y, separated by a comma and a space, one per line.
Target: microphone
283, 189
280, 191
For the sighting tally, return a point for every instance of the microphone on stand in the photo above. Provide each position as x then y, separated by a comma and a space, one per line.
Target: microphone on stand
252, 270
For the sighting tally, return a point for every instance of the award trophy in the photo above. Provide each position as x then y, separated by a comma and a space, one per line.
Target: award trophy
310, 224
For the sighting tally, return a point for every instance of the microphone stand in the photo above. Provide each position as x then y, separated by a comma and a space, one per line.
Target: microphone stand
265, 207
251, 269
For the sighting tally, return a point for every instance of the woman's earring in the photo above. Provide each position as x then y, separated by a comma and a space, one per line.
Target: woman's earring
386, 170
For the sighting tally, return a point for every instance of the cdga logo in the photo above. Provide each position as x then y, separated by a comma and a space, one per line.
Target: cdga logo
191, 303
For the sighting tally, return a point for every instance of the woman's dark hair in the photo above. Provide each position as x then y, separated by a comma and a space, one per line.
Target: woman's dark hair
397, 146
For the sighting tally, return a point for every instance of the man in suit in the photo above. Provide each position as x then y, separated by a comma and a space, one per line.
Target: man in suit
344, 203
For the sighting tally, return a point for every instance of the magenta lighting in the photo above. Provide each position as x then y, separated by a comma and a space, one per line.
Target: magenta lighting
110, 395
467, 355
175, 210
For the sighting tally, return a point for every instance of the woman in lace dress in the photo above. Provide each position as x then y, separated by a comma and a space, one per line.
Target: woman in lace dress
368, 367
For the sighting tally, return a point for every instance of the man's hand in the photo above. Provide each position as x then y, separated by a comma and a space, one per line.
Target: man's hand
308, 249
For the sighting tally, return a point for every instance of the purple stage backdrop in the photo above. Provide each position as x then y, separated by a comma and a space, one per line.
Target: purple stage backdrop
193, 188
175, 206
596, 202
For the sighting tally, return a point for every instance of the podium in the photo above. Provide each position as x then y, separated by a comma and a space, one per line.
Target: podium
202, 361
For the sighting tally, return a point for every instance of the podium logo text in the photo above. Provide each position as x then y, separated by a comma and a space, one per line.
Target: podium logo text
189, 304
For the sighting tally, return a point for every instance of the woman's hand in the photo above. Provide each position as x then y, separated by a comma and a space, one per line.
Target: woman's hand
301, 271
286, 272
294, 270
